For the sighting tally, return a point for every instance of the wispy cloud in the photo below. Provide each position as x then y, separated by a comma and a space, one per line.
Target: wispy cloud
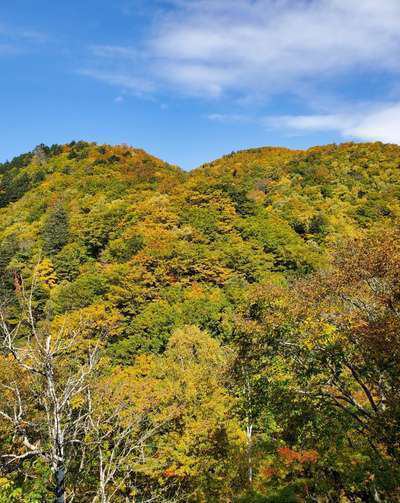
119, 66
262, 48
374, 122
16, 40
265, 45
368, 121
231, 118
212, 47
127, 81
306, 123
115, 52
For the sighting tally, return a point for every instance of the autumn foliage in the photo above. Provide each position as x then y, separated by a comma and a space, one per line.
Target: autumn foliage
245, 315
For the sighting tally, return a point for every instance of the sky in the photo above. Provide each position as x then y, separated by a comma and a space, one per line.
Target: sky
191, 80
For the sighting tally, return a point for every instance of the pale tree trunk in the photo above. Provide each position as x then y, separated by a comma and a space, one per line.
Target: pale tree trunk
249, 434
55, 429
60, 484
102, 478
375, 495
249, 431
59, 461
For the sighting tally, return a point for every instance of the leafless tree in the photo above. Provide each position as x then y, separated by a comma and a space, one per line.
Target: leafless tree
56, 381
119, 440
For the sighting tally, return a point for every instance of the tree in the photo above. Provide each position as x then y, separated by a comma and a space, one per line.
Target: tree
340, 340
118, 434
55, 231
44, 395
355, 333
197, 443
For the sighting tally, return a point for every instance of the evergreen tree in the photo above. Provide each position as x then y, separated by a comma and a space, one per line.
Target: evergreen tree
55, 231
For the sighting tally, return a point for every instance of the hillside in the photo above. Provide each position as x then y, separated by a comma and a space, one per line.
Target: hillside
116, 226
226, 256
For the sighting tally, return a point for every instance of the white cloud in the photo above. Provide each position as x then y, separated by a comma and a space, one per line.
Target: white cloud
130, 82
375, 122
212, 47
381, 125
306, 123
260, 48
265, 45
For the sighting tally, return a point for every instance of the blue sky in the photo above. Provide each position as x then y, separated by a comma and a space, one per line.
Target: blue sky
190, 80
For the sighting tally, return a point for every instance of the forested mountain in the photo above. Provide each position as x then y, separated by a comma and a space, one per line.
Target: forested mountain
229, 334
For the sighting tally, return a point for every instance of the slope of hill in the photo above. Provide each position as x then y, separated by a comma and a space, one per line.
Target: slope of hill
117, 226
141, 249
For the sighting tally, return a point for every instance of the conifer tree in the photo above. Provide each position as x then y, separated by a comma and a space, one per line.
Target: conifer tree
55, 231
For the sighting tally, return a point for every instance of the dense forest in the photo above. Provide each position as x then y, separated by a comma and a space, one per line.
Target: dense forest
229, 334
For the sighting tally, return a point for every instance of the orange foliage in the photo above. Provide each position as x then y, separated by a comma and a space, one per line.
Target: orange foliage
290, 456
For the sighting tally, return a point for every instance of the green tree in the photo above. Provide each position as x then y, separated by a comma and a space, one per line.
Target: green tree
55, 231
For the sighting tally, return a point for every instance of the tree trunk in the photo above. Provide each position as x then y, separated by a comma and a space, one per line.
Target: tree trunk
375, 495
60, 484
249, 432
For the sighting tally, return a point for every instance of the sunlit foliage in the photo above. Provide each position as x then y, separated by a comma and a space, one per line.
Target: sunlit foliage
247, 311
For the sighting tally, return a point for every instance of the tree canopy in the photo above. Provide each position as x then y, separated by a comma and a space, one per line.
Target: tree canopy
244, 317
